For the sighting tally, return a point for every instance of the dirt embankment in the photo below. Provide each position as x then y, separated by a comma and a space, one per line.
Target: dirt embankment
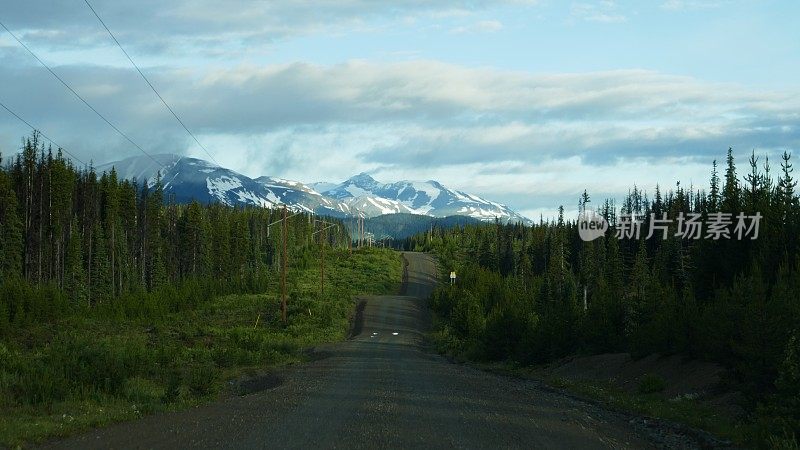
681, 377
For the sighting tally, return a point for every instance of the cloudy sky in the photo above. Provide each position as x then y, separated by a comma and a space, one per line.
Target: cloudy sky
527, 102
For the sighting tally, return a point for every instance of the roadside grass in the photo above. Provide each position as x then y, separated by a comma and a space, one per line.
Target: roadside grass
755, 430
648, 402
682, 410
90, 370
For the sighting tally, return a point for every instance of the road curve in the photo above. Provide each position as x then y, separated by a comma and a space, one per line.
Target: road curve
382, 389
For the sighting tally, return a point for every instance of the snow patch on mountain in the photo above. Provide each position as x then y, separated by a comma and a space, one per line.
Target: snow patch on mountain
417, 197
186, 179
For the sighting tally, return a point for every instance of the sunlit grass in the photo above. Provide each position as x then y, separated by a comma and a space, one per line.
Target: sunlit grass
86, 371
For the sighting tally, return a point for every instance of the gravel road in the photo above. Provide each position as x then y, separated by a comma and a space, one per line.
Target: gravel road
382, 388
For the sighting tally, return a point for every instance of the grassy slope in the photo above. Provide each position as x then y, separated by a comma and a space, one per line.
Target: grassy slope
56, 379
684, 410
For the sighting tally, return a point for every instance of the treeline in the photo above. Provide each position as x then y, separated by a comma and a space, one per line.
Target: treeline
71, 239
534, 294
396, 229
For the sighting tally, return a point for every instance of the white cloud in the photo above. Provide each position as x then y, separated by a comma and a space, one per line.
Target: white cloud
529, 140
212, 27
262, 97
425, 107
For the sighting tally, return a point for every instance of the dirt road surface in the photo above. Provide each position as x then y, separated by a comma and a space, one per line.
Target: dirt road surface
384, 389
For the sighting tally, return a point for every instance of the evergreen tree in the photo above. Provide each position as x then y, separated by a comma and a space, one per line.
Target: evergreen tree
506, 251
637, 291
731, 193
111, 222
786, 185
487, 258
10, 231
74, 273
714, 195
102, 281
62, 186
755, 186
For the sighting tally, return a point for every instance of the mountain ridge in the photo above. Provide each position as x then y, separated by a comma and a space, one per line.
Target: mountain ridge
187, 178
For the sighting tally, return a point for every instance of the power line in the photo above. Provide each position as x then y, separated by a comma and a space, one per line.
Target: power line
149, 83
43, 135
78, 95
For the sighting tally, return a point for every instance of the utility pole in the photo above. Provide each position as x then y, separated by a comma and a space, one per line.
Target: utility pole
323, 238
284, 236
285, 230
363, 234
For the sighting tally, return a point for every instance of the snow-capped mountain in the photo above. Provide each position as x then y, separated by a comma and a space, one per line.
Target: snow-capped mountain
372, 206
322, 186
196, 179
301, 195
429, 198
190, 179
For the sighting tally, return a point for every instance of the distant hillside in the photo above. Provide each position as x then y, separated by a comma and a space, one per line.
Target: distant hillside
402, 225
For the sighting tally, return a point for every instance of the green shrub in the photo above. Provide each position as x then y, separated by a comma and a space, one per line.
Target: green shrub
201, 378
172, 393
650, 384
245, 338
778, 419
785, 442
143, 392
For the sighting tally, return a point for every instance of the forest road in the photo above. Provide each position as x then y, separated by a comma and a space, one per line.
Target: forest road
384, 389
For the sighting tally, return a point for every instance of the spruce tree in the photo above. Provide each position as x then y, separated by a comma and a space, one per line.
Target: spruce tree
74, 273
10, 231
731, 194
637, 291
714, 195
102, 281
786, 186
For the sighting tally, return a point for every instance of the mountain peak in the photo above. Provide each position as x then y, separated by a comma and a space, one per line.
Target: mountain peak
363, 178
190, 179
